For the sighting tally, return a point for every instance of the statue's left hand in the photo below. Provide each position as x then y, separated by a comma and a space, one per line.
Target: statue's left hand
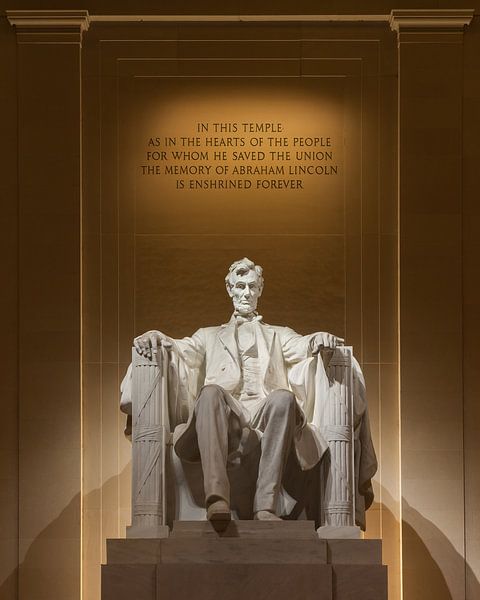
324, 341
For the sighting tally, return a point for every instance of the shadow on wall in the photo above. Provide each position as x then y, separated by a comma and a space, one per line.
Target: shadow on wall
426, 577
439, 578
8, 588
426, 581
34, 576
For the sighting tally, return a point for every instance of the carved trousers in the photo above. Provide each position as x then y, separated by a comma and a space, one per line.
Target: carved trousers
276, 419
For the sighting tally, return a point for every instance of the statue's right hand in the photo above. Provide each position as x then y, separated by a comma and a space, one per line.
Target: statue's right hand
150, 343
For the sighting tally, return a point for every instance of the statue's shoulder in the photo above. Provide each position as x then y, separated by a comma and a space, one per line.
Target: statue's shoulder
209, 331
279, 330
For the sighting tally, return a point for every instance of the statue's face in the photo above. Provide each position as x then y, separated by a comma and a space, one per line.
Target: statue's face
245, 292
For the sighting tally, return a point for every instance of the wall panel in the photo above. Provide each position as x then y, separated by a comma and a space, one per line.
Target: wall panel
158, 250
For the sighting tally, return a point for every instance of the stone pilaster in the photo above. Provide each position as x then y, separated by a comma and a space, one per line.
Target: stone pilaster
430, 25
430, 55
49, 26
49, 195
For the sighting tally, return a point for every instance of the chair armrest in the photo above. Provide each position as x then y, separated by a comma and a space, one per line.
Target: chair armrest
337, 477
150, 434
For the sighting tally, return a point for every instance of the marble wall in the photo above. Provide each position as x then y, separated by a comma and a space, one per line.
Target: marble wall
9, 317
430, 105
79, 249
157, 257
470, 303
49, 319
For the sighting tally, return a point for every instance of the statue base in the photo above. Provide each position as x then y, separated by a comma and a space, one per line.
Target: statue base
245, 559
332, 532
144, 532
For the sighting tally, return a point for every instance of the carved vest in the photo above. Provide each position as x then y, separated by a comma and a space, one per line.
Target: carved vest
249, 391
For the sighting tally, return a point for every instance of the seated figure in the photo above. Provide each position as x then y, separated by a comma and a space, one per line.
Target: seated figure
246, 397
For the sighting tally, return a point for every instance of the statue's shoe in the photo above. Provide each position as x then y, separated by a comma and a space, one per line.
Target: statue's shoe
219, 511
266, 515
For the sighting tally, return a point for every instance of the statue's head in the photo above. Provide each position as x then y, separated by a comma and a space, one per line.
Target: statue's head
244, 282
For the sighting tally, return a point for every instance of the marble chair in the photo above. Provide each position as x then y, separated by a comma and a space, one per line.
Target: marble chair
164, 489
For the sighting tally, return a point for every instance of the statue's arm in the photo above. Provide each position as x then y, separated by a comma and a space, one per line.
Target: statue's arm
297, 347
190, 349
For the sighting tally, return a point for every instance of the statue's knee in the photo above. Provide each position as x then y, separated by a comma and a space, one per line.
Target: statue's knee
282, 400
211, 394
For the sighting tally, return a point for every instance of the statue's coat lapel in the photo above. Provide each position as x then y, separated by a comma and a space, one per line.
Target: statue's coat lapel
228, 338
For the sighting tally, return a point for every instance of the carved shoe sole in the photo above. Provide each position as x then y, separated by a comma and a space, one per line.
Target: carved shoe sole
219, 511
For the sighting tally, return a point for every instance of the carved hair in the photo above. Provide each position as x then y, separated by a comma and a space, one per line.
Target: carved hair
242, 267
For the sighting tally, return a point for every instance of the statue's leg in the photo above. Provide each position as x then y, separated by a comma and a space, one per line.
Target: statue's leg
211, 423
277, 422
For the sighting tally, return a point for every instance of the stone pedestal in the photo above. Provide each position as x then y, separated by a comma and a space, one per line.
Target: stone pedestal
249, 559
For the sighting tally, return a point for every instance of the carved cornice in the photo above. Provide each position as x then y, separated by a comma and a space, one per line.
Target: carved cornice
430, 25
49, 26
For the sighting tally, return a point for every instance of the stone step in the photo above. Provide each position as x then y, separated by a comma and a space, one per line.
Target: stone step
208, 567
243, 551
354, 552
239, 582
285, 530
217, 581
359, 582
216, 551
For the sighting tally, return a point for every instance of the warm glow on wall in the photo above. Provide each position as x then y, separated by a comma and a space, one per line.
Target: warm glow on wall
227, 146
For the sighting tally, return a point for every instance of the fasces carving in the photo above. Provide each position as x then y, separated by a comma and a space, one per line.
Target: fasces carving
250, 418
150, 433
